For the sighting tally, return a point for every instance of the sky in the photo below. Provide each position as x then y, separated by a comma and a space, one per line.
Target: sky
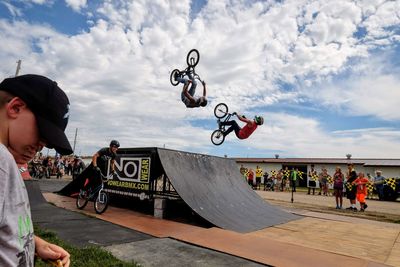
324, 74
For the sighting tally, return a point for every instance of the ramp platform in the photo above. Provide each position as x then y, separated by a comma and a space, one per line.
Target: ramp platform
211, 186
214, 188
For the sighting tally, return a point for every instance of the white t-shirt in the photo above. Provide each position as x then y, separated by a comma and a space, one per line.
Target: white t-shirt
17, 246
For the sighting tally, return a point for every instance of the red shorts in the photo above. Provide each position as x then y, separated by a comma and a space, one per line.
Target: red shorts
361, 198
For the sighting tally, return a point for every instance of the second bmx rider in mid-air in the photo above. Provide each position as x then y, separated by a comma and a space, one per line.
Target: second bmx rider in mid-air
246, 131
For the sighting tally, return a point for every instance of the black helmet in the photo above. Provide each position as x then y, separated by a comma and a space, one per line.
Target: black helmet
114, 143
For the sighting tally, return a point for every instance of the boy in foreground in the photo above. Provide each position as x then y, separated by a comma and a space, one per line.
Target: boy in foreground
34, 113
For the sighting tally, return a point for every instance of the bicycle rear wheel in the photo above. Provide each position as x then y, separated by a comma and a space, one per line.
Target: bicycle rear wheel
101, 202
217, 137
221, 110
82, 199
172, 77
193, 58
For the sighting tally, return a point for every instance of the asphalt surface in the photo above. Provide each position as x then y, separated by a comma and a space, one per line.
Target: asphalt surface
126, 244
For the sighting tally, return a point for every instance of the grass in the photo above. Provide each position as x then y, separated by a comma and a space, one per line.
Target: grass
90, 256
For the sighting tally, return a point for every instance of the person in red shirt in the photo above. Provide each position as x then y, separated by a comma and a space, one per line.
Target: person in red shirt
247, 130
250, 177
361, 183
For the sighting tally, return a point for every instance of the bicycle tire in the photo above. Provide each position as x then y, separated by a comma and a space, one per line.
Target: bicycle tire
221, 110
193, 58
172, 77
217, 137
101, 202
82, 199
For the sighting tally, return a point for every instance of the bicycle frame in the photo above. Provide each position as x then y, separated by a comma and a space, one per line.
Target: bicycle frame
99, 188
190, 70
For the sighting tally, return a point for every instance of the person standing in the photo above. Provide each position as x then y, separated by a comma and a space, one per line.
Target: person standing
361, 183
323, 179
378, 181
250, 178
351, 189
293, 178
259, 174
338, 187
242, 169
34, 113
312, 183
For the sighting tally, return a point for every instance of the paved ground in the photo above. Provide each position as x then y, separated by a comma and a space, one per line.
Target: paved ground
318, 239
125, 243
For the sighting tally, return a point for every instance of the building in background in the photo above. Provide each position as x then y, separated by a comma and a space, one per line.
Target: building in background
389, 167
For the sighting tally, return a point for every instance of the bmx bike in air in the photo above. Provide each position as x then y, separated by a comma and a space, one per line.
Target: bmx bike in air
97, 194
221, 112
192, 59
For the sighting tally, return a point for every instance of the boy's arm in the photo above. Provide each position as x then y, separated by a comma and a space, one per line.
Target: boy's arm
48, 251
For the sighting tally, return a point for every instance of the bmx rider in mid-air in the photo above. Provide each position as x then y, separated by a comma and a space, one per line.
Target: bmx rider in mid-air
247, 130
187, 95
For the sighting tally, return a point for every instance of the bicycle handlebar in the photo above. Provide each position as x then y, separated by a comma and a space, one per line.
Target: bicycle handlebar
106, 177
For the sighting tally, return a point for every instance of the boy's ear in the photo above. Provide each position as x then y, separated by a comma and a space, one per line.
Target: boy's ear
14, 107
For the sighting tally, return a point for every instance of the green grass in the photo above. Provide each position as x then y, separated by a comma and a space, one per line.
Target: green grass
90, 256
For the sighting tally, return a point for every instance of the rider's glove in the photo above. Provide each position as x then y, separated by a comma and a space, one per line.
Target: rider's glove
96, 168
234, 113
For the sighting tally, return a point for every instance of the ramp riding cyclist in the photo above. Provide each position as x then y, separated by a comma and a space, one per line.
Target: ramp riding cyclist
101, 158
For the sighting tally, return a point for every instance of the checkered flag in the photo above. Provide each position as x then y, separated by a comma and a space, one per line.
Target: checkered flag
391, 182
286, 173
273, 173
370, 187
330, 179
314, 177
349, 186
300, 173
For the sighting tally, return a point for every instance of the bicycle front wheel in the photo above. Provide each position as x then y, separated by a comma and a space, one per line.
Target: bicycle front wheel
221, 110
172, 78
217, 137
101, 202
193, 58
82, 199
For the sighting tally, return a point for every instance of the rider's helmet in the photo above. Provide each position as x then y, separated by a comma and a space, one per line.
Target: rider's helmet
114, 143
259, 120
203, 101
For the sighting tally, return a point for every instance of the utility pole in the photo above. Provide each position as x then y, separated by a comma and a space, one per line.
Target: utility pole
76, 134
18, 67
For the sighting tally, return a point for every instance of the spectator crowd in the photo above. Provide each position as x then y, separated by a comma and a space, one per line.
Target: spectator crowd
45, 166
356, 187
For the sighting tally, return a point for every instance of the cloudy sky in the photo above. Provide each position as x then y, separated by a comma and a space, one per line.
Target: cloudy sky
324, 74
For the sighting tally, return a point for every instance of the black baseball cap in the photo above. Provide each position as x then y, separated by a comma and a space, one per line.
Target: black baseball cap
49, 104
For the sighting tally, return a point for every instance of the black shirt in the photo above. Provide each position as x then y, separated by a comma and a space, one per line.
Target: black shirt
105, 154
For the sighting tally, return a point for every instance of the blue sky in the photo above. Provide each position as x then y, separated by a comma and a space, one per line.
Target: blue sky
324, 74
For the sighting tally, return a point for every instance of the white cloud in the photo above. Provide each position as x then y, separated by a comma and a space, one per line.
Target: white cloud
76, 5
117, 73
296, 136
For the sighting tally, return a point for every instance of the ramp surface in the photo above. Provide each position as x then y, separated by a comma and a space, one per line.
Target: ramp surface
213, 188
